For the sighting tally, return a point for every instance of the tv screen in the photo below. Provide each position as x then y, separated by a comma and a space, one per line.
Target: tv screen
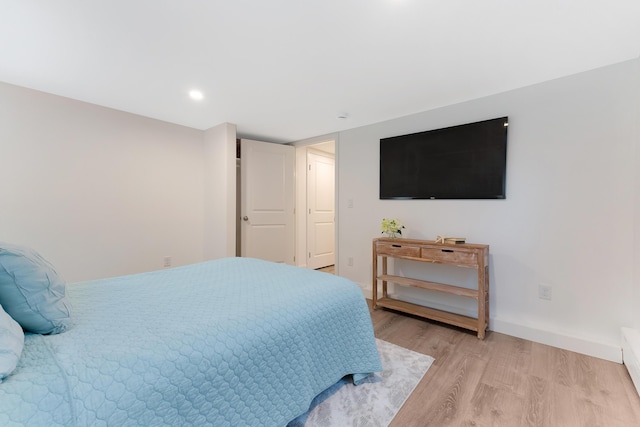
467, 161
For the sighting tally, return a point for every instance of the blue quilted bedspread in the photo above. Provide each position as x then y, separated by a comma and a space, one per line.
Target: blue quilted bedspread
231, 342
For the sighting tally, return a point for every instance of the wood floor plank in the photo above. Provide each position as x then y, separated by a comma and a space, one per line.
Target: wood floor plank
494, 407
456, 381
506, 381
538, 403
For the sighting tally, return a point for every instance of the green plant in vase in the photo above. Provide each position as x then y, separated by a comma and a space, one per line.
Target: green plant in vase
392, 227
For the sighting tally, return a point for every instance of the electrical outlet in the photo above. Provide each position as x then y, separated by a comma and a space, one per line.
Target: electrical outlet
167, 261
544, 292
350, 261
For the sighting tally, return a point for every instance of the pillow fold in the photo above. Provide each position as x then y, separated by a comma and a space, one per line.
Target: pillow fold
31, 291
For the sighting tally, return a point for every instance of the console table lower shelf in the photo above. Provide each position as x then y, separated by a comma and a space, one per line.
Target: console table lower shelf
429, 313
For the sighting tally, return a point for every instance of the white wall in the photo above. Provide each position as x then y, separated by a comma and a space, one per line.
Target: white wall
98, 192
220, 191
568, 220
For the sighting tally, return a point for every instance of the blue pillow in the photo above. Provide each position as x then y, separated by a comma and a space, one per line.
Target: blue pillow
31, 291
11, 344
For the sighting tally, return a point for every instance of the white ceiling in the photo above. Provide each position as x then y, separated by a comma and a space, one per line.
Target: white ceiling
283, 70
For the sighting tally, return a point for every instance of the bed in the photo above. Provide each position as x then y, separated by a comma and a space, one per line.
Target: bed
229, 342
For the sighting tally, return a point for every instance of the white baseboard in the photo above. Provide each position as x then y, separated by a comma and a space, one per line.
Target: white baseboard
631, 354
606, 351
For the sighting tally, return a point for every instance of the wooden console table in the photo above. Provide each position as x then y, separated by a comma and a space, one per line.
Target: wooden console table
460, 255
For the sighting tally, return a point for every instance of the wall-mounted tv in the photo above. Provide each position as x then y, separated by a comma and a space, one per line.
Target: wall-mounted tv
467, 161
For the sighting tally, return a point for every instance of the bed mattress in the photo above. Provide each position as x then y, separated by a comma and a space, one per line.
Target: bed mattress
230, 342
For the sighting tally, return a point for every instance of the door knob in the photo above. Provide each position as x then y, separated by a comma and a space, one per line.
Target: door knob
245, 218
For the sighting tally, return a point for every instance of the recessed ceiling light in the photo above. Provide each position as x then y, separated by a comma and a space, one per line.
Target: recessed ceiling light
196, 95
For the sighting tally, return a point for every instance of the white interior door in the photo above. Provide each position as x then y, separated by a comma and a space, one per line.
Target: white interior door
321, 210
267, 207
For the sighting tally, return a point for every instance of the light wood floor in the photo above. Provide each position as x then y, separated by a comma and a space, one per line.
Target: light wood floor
329, 269
506, 381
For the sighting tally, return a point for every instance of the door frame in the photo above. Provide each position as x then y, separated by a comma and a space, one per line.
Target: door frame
301, 196
328, 155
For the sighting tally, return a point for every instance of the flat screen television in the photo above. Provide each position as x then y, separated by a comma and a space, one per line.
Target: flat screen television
467, 161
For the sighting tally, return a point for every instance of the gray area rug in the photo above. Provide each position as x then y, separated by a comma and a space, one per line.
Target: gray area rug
375, 401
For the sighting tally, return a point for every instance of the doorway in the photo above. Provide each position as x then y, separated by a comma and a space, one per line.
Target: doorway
320, 209
315, 204
325, 148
